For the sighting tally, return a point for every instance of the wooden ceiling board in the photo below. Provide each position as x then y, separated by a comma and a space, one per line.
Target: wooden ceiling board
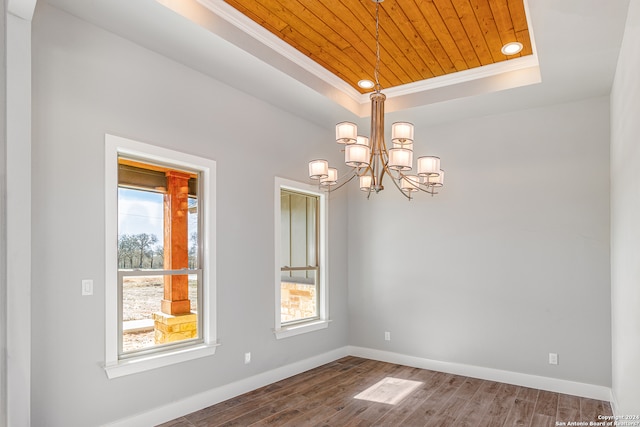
408, 63
456, 31
425, 60
467, 16
419, 39
319, 44
520, 26
429, 32
490, 22
403, 69
450, 34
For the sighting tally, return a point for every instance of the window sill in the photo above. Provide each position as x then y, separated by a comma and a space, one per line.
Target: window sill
158, 360
290, 331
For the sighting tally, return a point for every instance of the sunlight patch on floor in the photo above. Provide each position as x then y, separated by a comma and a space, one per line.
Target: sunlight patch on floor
389, 390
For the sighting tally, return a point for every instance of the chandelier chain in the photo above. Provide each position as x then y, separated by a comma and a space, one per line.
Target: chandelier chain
376, 72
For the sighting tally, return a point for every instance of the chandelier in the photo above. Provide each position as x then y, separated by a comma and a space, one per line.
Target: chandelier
371, 160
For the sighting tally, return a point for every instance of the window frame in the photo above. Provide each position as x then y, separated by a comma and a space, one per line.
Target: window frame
322, 321
115, 366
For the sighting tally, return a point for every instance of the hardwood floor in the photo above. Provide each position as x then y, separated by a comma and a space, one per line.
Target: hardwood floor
324, 396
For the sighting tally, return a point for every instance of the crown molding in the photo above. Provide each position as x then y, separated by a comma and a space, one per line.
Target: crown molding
271, 41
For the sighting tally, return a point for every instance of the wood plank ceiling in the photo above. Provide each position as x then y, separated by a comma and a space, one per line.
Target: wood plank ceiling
419, 39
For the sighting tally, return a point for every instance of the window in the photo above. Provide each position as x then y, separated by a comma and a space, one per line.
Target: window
160, 278
301, 290
299, 259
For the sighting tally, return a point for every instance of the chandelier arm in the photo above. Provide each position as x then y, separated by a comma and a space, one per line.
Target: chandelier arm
384, 158
351, 173
354, 173
370, 186
366, 170
369, 170
384, 153
385, 169
394, 180
425, 188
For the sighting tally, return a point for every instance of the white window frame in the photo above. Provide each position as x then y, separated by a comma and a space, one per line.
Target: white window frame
285, 331
114, 366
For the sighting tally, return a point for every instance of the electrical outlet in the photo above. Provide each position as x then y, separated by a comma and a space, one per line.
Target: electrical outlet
387, 336
247, 358
553, 358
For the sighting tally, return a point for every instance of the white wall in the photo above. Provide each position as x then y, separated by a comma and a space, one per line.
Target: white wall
509, 263
87, 82
3, 219
625, 219
18, 211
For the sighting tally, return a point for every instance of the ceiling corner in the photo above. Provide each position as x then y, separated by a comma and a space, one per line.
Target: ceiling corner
22, 8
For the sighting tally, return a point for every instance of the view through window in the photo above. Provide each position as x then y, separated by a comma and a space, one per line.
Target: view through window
299, 287
158, 256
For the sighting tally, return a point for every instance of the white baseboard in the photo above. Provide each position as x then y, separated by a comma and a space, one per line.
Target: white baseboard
219, 394
199, 401
614, 404
526, 380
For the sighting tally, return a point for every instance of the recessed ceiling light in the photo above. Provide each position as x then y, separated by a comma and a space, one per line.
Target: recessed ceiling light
512, 48
365, 84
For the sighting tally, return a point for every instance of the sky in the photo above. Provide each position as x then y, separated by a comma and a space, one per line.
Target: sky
140, 212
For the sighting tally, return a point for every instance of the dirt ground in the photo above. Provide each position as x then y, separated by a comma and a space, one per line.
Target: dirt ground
141, 298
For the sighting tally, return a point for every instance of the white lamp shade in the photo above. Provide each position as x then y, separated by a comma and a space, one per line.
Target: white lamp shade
365, 182
410, 183
400, 159
435, 180
362, 140
318, 169
357, 155
428, 165
332, 177
402, 133
346, 133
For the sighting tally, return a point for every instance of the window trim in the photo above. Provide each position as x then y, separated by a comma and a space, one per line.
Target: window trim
115, 366
322, 322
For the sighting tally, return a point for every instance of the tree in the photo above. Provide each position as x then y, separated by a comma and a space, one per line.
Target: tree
137, 248
157, 253
144, 241
193, 250
126, 248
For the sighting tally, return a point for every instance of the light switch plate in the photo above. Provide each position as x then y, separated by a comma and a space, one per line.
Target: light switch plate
87, 287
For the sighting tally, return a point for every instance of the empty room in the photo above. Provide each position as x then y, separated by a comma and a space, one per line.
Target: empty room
332, 213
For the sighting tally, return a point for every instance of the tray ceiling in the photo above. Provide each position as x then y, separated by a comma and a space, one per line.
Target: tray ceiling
420, 39
577, 43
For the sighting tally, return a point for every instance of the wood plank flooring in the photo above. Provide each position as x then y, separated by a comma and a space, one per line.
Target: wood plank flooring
324, 396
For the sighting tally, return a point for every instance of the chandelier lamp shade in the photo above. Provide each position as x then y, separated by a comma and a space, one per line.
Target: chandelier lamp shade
369, 157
